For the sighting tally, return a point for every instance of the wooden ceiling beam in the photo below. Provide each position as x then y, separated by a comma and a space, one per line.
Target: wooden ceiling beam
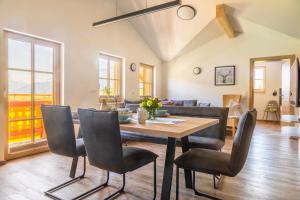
224, 22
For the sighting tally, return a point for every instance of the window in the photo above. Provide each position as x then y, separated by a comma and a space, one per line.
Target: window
33, 80
146, 80
259, 79
110, 76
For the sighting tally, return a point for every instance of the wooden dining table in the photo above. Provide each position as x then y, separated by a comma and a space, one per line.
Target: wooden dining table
179, 130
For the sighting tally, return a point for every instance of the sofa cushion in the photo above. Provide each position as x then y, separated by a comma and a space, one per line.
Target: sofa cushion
132, 107
189, 103
131, 102
200, 104
206, 143
178, 102
167, 102
135, 158
205, 160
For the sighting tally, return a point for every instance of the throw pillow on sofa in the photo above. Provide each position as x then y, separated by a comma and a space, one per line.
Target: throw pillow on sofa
167, 102
200, 104
189, 103
178, 102
132, 102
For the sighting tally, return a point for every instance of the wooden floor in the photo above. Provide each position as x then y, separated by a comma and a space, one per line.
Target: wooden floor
272, 171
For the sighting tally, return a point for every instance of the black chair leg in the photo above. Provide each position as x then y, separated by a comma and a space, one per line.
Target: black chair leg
94, 190
217, 180
117, 192
201, 193
154, 178
123, 186
177, 182
50, 192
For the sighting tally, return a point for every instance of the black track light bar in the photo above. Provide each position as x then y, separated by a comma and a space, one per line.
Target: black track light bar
139, 13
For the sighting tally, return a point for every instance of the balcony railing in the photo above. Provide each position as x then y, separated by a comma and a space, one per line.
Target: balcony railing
22, 123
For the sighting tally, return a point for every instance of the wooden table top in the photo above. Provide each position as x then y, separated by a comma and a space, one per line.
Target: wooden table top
179, 130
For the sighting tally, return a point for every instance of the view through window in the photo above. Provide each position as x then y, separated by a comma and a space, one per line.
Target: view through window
32, 80
109, 76
259, 79
146, 80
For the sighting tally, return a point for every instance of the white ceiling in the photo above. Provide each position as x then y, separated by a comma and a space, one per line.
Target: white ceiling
167, 35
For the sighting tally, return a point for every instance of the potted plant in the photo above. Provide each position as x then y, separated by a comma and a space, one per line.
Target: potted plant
151, 105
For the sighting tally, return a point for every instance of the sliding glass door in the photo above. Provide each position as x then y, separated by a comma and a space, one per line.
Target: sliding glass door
33, 80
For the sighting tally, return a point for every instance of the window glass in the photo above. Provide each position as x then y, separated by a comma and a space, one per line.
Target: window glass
103, 68
109, 76
32, 81
145, 80
259, 79
19, 95
43, 58
19, 54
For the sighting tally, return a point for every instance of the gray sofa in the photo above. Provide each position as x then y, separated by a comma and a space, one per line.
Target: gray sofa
208, 135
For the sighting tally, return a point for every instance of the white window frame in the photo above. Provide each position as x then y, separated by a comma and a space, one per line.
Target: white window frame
27, 149
142, 65
109, 58
264, 79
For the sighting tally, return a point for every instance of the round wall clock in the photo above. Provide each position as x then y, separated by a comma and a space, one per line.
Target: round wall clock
197, 70
133, 67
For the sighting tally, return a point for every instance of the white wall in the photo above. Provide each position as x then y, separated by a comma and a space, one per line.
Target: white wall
218, 50
70, 22
273, 82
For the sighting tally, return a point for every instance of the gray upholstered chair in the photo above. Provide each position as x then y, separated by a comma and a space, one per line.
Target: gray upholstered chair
219, 163
212, 137
101, 134
61, 139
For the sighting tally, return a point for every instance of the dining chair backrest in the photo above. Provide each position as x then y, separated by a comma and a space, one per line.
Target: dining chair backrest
242, 140
102, 139
59, 129
217, 131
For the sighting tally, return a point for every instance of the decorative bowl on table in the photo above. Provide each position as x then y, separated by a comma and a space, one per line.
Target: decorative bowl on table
124, 116
161, 113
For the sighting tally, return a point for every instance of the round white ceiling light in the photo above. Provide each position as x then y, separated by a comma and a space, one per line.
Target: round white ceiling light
186, 12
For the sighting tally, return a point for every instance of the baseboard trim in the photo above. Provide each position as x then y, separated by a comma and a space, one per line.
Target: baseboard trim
270, 121
28, 152
2, 162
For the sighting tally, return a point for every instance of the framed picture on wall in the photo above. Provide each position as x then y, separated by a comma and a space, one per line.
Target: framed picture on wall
225, 75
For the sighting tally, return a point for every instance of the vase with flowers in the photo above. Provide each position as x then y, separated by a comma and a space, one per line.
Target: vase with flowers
151, 105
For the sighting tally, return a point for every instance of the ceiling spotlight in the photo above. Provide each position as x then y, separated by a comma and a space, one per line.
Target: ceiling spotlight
186, 12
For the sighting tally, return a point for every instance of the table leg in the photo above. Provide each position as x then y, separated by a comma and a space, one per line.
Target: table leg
236, 122
233, 128
187, 173
168, 170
